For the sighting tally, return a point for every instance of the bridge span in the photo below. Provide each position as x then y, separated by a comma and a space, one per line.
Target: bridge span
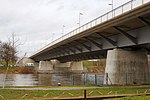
121, 35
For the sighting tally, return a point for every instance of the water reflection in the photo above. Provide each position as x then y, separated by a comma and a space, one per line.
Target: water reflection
50, 79
24, 80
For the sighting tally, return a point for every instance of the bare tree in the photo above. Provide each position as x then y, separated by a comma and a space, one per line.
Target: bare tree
6, 52
14, 42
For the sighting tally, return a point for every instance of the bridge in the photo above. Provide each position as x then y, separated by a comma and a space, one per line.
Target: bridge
121, 35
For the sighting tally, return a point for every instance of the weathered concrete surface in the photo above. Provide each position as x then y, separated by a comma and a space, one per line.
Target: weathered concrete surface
56, 66
45, 67
56, 63
77, 66
126, 67
67, 64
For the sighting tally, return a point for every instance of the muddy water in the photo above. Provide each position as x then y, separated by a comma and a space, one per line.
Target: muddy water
50, 79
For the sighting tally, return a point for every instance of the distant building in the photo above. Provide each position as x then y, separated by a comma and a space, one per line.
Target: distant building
25, 61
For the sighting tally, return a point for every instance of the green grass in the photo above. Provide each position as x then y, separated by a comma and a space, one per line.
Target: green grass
136, 98
132, 98
4, 68
9, 94
18, 94
90, 64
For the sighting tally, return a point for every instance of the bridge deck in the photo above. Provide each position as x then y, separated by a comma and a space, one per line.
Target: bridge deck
101, 37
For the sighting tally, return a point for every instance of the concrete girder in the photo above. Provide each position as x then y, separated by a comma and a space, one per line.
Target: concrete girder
95, 43
63, 51
133, 39
68, 47
57, 52
84, 45
64, 59
75, 46
73, 51
144, 21
114, 43
66, 51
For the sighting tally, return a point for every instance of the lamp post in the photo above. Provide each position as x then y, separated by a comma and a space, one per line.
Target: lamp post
80, 14
63, 29
112, 5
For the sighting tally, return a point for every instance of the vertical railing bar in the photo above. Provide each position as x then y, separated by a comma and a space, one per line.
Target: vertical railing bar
142, 2
131, 4
122, 9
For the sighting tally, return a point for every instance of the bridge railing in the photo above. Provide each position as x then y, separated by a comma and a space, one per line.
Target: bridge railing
99, 20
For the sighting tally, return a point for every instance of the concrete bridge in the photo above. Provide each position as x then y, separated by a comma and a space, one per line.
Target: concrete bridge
121, 35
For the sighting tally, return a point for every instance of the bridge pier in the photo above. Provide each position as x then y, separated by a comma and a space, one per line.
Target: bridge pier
77, 66
54, 66
126, 67
45, 67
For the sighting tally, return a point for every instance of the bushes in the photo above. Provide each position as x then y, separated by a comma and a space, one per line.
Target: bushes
23, 70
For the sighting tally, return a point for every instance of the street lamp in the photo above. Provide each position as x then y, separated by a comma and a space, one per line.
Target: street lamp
112, 5
80, 14
63, 29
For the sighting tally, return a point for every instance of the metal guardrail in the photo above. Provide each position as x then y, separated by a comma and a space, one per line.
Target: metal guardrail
105, 17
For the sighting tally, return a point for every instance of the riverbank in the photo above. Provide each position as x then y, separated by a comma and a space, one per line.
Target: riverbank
57, 92
17, 70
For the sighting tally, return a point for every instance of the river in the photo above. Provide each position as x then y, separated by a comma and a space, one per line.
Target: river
50, 79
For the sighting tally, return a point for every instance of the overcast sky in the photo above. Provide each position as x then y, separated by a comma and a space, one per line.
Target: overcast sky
36, 22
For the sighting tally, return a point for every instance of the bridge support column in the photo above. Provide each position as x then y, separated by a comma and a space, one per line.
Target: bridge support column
126, 67
61, 67
77, 67
45, 67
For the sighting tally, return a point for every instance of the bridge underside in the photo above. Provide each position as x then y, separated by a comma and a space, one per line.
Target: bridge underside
130, 31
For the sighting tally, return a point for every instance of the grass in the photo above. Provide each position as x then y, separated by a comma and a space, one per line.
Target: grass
3, 68
136, 98
132, 98
9, 94
91, 64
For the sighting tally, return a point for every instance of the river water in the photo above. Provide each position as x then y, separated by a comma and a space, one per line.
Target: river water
50, 79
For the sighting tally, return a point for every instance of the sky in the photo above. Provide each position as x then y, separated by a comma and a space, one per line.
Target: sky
39, 22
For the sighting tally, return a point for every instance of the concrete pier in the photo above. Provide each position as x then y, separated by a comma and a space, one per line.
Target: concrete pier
45, 67
54, 66
77, 66
126, 67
